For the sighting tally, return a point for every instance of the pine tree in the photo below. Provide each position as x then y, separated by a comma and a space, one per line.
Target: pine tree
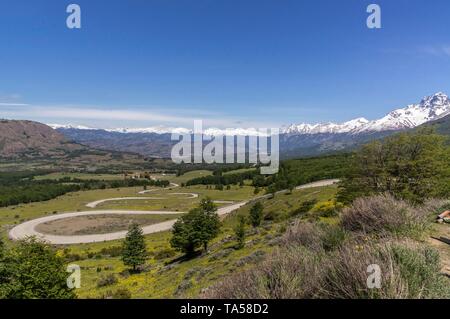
239, 231
256, 213
134, 251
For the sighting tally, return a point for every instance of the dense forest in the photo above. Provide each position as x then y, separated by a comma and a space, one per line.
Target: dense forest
218, 178
292, 173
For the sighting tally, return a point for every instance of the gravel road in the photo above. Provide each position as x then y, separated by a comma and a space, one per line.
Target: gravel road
29, 228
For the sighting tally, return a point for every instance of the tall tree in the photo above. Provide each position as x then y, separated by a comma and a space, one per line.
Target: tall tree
239, 231
134, 252
256, 214
196, 228
408, 165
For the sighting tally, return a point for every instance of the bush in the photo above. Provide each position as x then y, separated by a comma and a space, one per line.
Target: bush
407, 271
272, 216
313, 236
383, 214
305, 234
333, 236
107, 280
113, 251
121, 293
32, 269
164, 254
305, 207
327, 209
292, 273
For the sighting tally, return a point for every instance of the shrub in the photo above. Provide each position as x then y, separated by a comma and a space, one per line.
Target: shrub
121, 293
272, 216
113, 251
164, 254
292, 273
333, 236
383, 214
33, 270
107, 280
305, 234
316, 237
327, 209
407, 271
305, 207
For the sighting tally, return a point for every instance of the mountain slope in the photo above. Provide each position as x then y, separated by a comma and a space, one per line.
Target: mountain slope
430, 108
442, 125
32, 139
28, 144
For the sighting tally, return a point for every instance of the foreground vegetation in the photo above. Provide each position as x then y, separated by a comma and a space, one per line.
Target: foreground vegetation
317, 260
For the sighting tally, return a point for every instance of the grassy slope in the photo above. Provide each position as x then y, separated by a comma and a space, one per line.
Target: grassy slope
164, 276
238, 171
183, 178
159, 280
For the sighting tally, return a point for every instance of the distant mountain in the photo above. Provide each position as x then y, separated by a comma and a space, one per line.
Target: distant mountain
148, 144
32, 139
26, 144
295, 139
441, 126
429, 109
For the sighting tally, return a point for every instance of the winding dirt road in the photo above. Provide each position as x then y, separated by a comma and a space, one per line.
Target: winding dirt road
29, 228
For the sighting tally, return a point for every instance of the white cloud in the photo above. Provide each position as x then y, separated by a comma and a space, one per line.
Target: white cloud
98, 116
12, 104
437, 50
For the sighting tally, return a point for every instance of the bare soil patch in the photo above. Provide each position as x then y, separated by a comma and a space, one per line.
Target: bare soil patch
99, 224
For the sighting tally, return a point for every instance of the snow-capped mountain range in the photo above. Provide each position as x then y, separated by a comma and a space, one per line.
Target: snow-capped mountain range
295, 140
430, 108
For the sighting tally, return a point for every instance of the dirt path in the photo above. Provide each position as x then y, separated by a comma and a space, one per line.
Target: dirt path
442, 230
29, 228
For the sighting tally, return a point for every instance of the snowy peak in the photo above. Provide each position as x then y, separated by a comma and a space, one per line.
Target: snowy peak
436, 100
69, 126
322, 128
430, 108
154, 129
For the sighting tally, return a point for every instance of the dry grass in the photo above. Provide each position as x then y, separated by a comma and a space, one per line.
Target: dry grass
408, 270
319, 261
384, 215
279, 277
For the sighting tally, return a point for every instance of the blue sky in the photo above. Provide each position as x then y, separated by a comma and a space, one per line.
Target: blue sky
230, 62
